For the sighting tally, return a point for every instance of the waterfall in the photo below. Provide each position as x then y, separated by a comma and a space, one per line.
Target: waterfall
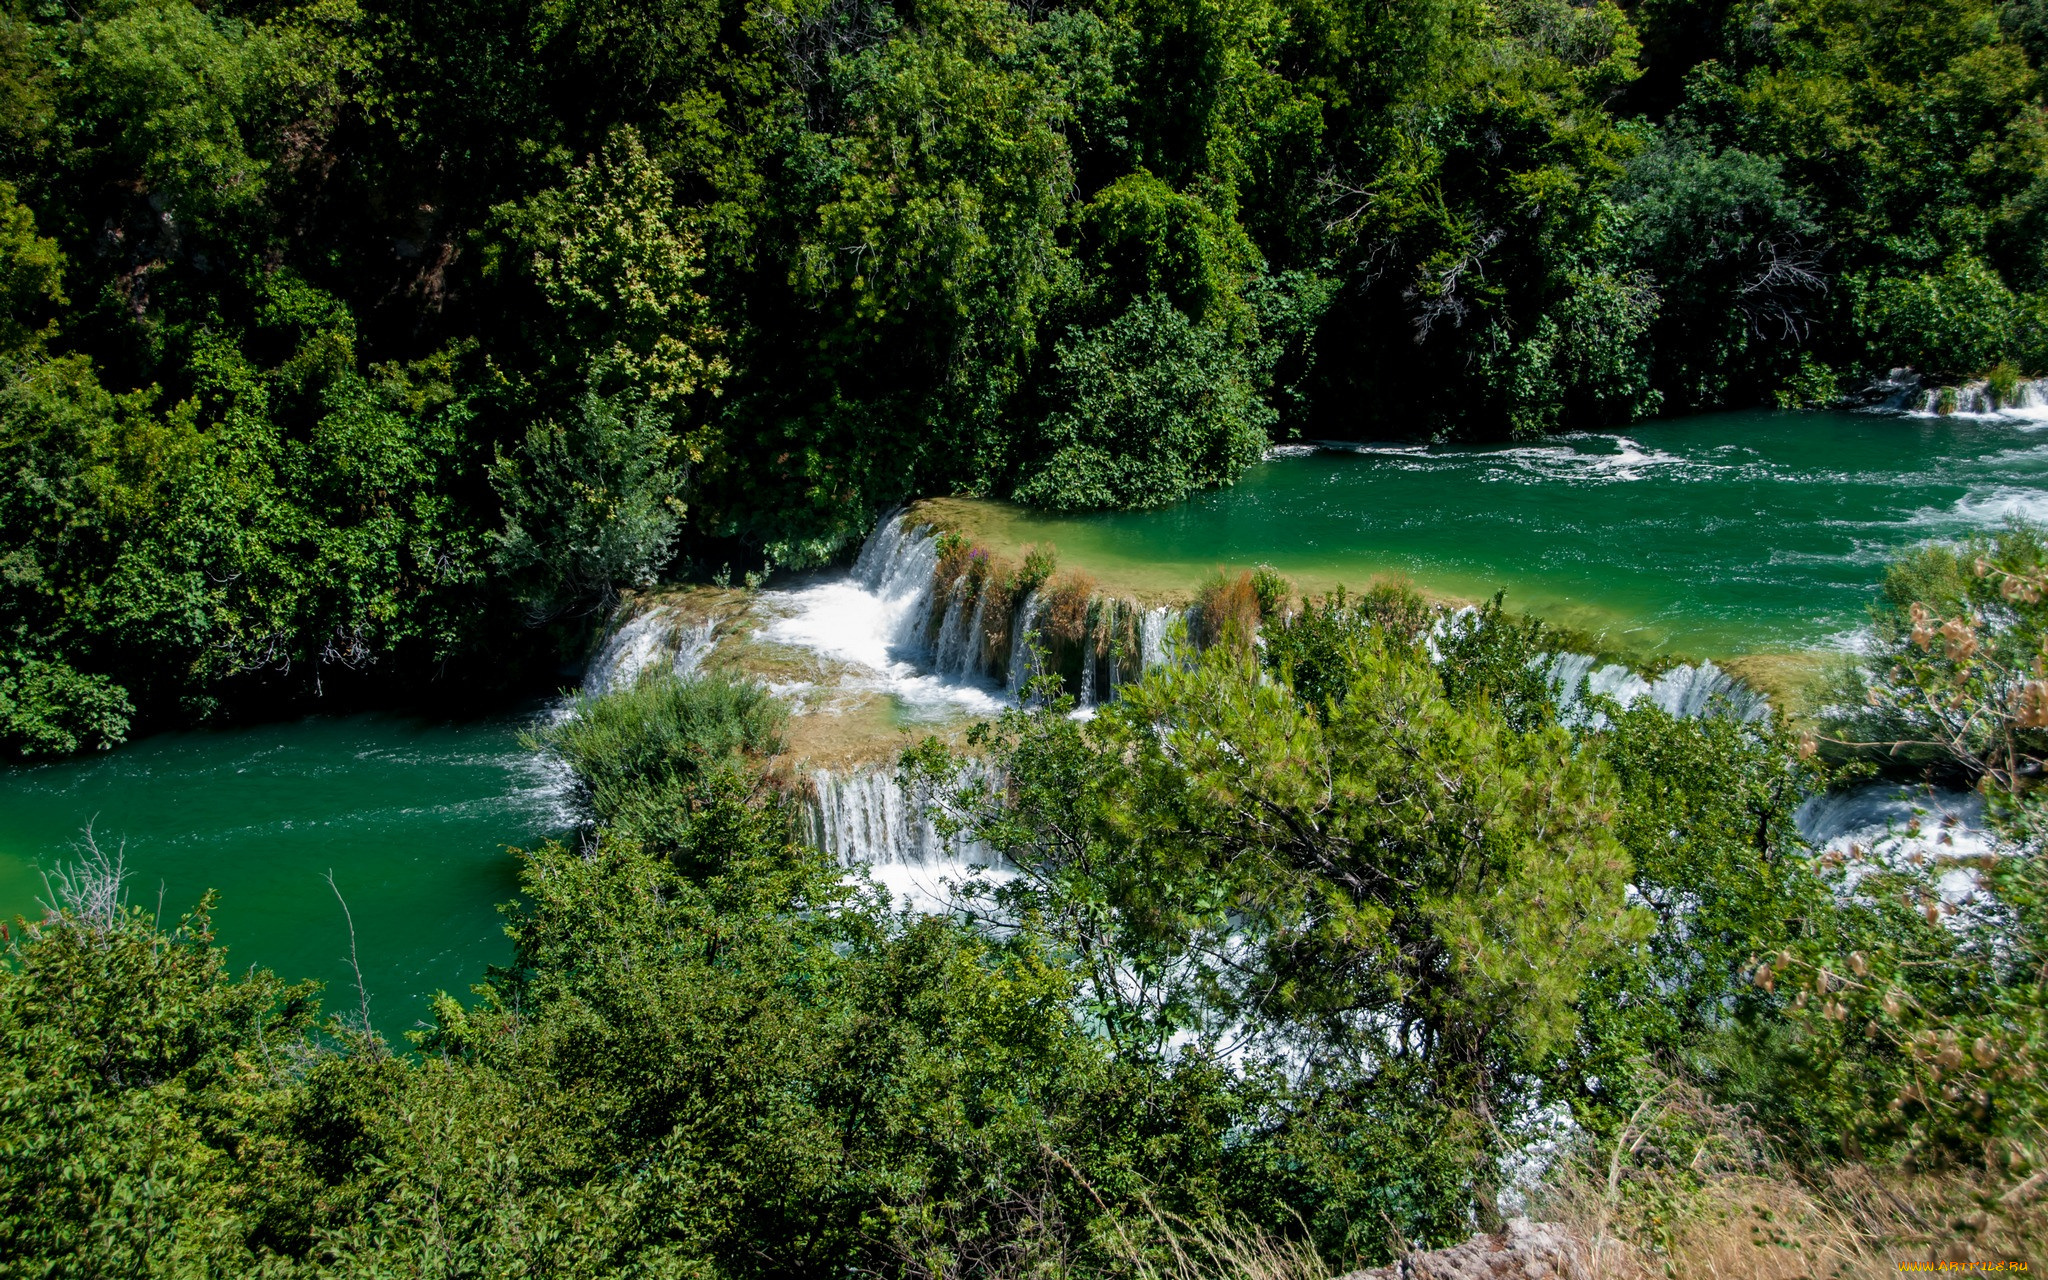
1903, 392
1691, 691
865, 818
948, 644
1876, 817
896, 564
1684, 691
1152, 638
641, 640
1023, 663
876, 624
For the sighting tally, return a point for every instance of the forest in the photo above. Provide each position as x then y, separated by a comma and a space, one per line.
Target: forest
360, 351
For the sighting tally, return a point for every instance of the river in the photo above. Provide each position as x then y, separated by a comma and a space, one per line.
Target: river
412, 816
1717, 535
1725, 534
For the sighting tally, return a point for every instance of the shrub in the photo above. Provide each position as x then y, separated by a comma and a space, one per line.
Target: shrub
2002, 381
665, 726
1272, 589
1228, 610
46, 708
1039, 563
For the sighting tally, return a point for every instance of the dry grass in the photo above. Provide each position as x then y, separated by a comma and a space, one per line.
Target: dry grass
1229, 610
1688, 1191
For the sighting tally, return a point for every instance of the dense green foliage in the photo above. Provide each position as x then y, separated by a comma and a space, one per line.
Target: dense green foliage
1320, 936
340, 340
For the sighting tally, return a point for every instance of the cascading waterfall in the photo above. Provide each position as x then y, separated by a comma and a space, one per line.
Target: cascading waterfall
1023, 662
643, 639
1684, 691
865, 818
958, 644
1152, 637
1896, 824
1904, 393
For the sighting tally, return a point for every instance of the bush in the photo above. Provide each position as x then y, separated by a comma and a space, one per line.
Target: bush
1272, 589
590, 504
46, 708
1952, 324
664, 727
1152, 408
1039, 563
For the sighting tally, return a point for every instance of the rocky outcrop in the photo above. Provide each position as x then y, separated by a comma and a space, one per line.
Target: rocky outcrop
1525, 1251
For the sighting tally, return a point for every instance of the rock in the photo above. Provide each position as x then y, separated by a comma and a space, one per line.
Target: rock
1525, 1251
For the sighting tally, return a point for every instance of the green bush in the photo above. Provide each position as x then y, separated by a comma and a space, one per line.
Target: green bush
48, 709
665, 726
1151, 409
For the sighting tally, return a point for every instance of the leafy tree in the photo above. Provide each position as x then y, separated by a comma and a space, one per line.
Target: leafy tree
591, 506
1402, 894
1152, 408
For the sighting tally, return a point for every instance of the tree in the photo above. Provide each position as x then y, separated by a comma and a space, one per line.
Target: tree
1399, 896
591, 505
1151, 408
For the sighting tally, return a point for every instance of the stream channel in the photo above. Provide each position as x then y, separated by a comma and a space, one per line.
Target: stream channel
1714, 536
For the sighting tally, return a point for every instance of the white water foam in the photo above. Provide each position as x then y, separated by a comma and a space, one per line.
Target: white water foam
1686, 692
1897, 824
643, 639
866, 818
1972, 400
1567, 461
1990, 507
874, 620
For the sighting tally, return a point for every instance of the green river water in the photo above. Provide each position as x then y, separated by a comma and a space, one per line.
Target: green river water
1723, 534
1716, 535
412, 816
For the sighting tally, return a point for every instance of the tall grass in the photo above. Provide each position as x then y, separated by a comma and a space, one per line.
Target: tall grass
1687, 1190
1227, 610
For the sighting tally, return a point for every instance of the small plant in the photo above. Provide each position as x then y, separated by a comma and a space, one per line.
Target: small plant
957, 559
723, 578
2002, 384
1814, 386
1272, 590
1039, 563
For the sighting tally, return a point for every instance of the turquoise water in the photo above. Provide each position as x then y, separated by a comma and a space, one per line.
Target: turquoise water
412, 816
1724, 534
